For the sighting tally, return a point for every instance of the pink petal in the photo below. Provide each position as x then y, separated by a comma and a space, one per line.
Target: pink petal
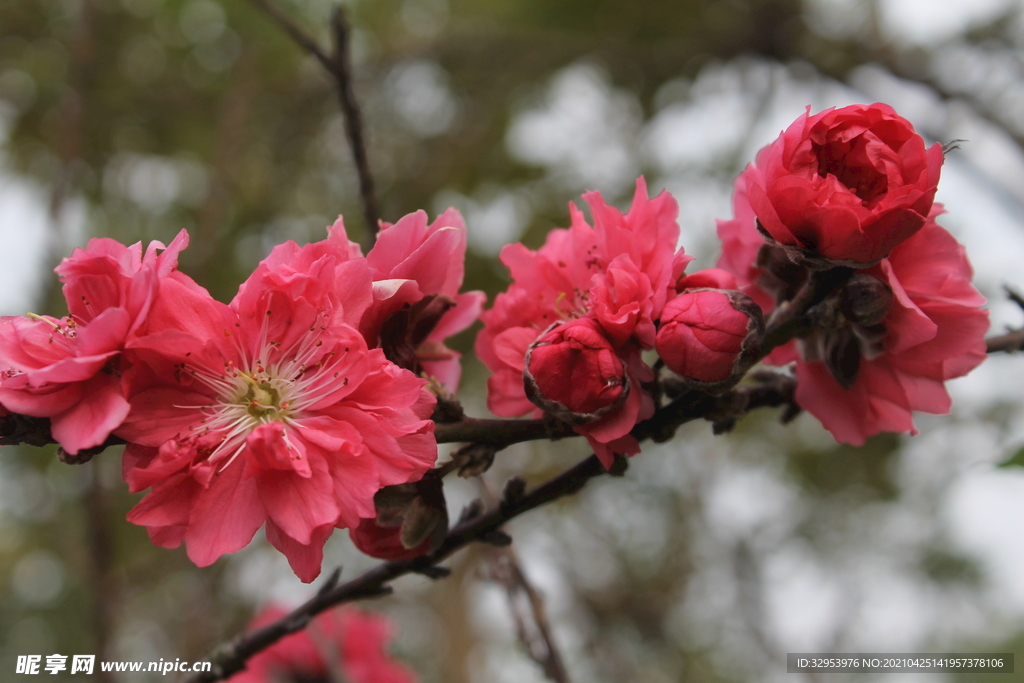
305, 559
510, 346
298, 505
506, 395
224, 517
90, 421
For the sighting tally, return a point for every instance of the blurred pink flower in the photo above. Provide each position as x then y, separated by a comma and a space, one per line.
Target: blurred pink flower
338, 645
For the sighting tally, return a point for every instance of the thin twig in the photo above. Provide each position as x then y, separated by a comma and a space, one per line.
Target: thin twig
525, 602
231, 658
103, 583
301, 38
1013, 340
353, 119
500, 432
339, 66
507, 570
1014, 296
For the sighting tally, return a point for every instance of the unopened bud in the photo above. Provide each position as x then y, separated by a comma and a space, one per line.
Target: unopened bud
384, 543
573, 372
865, 300
710, 337
411, 520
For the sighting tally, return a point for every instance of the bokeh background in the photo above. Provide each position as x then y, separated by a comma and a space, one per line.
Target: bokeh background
713, 556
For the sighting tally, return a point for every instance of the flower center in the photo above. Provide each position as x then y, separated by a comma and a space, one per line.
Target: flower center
853, 166
262, 399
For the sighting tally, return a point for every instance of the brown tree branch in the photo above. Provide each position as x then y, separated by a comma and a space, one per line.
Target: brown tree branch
354, 120
301, 38
1011, 342
500, 432
339, 65
231, 657
786, 320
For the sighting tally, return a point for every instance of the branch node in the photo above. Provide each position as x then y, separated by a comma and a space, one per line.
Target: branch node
513, 494
1014, 296
619, 465
298, 622
473, 509
81, 457
791, 412
497, 537
448, 409
555, 428
474, 459
370, 592
435, 572
331, 582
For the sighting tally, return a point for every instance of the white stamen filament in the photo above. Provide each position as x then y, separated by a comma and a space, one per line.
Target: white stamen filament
276, 385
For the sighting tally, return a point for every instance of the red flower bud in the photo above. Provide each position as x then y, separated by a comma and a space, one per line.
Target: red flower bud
384, 543
710, 337
573, 372
412, 519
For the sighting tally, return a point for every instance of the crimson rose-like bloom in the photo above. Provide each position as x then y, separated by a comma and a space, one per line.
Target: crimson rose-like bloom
339, 645
847, 184
887, 341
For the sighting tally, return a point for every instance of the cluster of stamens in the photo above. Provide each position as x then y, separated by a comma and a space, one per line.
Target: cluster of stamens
276, 387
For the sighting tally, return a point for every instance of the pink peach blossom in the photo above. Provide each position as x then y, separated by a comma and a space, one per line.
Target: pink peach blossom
69, 370
412, 260
847, 184
715, 278
702, 334
620, 273
270, 411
